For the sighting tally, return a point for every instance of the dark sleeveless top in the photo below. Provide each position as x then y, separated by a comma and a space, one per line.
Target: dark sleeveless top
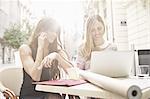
28, 89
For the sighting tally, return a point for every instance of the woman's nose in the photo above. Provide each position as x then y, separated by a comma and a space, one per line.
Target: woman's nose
97, 32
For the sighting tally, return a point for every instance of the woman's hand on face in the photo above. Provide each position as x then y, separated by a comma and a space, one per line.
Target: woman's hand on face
48, 60
42, 40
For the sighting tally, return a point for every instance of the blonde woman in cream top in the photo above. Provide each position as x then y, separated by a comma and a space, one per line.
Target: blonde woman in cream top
93, 41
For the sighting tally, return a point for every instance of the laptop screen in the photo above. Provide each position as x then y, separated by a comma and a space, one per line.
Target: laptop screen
112, 63
144, 61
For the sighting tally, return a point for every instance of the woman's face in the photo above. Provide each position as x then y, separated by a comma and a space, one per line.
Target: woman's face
51, 36
97, 30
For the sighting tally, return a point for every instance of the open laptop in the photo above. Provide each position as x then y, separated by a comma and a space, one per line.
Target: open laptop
112, 63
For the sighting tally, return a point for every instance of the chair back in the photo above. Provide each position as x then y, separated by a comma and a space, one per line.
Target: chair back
12, 77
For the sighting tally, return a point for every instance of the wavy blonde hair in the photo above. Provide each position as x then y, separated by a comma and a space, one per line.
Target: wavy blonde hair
87, 46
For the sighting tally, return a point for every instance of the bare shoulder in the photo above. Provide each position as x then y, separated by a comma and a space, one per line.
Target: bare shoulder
25, 49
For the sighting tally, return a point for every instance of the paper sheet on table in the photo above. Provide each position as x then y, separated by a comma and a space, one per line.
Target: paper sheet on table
121, 87
143, 83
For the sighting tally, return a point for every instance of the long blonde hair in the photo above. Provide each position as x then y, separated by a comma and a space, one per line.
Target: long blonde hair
46, 25
87, 46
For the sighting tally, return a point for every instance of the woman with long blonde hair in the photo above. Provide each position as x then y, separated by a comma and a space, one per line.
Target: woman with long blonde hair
93, 40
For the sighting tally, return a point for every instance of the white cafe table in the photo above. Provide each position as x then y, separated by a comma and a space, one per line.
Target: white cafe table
87, 89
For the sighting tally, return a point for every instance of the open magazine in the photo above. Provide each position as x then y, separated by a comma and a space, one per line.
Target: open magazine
61, 82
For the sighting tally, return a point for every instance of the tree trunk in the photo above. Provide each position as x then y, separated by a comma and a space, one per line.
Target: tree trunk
3, 55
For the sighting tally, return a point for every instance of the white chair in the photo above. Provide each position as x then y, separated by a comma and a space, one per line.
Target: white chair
11, 79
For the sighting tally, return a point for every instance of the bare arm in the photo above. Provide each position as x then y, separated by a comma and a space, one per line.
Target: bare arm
67, 66
31, 66
64, 60
64, 63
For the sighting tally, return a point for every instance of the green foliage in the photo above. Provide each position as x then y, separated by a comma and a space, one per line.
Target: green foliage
17, 34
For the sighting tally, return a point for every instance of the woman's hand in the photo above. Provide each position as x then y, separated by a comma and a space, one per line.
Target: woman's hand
42, 40
48, 60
